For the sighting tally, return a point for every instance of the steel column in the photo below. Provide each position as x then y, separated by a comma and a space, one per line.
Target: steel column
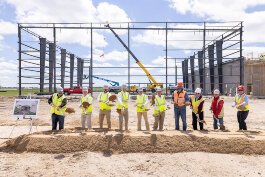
192, 72
72, 63
19, 61
51, 65
211, 65
219, 56
42, 62
63, 59
200, 63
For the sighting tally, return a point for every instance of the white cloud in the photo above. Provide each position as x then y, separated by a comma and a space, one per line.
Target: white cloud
7, 28
220, 11
79, 11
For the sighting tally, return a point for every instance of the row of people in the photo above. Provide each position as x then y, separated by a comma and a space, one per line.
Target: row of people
180, 99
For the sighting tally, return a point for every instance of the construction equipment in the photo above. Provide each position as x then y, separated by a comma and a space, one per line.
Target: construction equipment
153, 83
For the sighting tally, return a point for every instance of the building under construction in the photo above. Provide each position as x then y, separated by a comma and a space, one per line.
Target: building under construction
216, 61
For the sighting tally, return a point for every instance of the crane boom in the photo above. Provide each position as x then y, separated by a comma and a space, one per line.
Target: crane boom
150, 77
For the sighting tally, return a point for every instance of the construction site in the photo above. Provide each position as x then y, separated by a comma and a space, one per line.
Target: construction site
216, 61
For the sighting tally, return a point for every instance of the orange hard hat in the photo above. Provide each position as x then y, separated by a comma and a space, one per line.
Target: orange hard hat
240, 88
179, 84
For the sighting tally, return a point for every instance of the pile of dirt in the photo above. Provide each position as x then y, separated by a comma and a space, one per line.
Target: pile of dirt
124, 143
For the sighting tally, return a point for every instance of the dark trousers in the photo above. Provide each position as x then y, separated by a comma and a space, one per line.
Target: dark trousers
194, 121
55, 119
241, 117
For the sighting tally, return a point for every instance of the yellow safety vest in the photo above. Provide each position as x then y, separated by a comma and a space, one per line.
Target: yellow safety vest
160, 103
240, 101
195, 104
56, 101
140, 100
125, 98
86, 98
104, 97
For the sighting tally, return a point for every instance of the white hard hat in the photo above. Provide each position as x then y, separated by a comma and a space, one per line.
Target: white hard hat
159, 89
216, 91
105, 87
84, 89
59, 89
140, 89
198, 90
124, 86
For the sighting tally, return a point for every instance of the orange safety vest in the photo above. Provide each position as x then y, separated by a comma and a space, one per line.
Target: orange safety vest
179, 98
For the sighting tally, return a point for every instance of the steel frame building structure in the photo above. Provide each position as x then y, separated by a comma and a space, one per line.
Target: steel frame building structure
39, 56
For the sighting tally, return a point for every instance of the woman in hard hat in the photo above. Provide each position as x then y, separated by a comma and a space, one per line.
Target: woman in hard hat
241, 103
197, 102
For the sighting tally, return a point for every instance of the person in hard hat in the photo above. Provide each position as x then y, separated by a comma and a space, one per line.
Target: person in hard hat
160, 108
58, 103
217, 108
104, 107
86, 111
180, 99
197, 106
122, 106
141, 109
242, 105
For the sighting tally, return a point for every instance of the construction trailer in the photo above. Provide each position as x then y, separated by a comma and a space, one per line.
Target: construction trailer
43, 63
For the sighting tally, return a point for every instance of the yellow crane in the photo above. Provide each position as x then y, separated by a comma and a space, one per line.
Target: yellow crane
152, 80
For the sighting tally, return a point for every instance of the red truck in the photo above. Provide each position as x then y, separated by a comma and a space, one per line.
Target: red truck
75, 90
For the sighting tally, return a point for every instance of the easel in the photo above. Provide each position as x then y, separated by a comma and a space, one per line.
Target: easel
23, 118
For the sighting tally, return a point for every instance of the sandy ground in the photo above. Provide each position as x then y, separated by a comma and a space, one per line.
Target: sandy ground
97, 164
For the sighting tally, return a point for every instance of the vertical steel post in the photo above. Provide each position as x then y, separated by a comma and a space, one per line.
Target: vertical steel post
63, 59
19, 61
166, 60
72, 63
54, 62
241, 57
91, 61
129, 63
204, 58
42, 62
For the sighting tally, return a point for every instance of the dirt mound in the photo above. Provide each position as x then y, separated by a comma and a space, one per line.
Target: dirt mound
124, 143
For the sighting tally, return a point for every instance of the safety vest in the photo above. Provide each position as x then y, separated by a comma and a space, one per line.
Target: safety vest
195, 104
179, 98
221, 114
160, 103
56, 101
86, 98
240, 101
140, 100
125, 98
104, 97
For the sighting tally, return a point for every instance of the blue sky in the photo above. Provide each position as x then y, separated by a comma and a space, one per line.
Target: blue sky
147, 46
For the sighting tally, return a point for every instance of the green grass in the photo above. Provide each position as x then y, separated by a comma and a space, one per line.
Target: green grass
14, 91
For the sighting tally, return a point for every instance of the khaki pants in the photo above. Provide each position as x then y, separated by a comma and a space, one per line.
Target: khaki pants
102, 114
159, 121
139, 117
124, 116
86, 118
